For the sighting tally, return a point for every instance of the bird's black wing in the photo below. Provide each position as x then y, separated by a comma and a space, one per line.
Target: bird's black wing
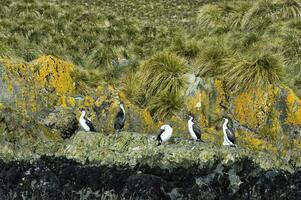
159, 134
89, 123
197, 130
119, 121
230, 135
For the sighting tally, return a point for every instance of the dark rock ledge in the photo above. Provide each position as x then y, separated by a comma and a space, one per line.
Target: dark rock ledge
61, 178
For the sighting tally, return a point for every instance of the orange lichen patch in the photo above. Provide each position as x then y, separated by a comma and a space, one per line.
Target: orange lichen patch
210, 135
71, 102
179, 126
121, 95
294, 109
88, 101
251, 107
54, 74
221, 96
254, 143
18, 69
147, 118
194, 102
203, 108
63, 101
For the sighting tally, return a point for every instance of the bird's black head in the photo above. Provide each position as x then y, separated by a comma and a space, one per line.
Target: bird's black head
190, 115
82, 109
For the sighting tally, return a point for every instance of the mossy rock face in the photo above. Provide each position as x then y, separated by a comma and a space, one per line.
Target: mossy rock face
23, 138
133, 149
253, 109
44, 91
63, 121
21, 89
264, 120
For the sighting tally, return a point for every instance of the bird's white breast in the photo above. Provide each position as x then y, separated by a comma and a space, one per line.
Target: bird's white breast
190, 129
83, 124
226, 139
166, 135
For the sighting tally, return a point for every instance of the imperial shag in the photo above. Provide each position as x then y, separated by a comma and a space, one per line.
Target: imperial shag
120, 118
229, 137
85, 122
164, 134
194, 129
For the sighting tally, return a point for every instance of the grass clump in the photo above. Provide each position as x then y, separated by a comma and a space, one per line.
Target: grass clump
186, 48
163, 72
211, 58
165, 105
258, 70
161, 81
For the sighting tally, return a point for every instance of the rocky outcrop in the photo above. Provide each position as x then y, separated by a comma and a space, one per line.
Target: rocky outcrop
278, 107
60, 178
63, 121
23, 138
39, 109
44, 90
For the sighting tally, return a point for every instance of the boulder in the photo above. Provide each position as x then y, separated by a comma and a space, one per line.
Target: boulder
62, 121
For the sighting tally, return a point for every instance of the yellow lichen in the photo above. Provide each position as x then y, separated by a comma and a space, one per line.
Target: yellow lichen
54, 74
252, 142
148, 120
210, 135
294, 109
251, 107
221, 96
89, 101
71, 101
62, 101
121, 95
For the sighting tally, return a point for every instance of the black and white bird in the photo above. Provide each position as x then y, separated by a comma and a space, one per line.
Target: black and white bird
120, 118
229, 137
194, 129
85, 122
164, 134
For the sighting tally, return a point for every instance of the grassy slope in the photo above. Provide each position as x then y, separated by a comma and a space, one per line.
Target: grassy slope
91, 33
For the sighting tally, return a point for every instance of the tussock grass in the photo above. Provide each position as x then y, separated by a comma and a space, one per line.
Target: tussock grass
165, 105
211, 58
162, 83
163, 72
258, 70
186, 47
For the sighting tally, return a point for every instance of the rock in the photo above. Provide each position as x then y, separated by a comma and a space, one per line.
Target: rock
145, 186
63, 121
24, 138
61, 178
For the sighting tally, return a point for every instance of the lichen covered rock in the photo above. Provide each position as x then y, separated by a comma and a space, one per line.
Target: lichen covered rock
63, 121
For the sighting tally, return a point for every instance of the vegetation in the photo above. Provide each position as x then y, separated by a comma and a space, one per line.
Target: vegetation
246, 44
161, 84
261, 33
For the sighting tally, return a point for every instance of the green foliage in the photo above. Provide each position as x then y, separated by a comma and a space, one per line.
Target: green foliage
256, 70
222, 16
162, 79
210, 16
165, 105
163, 72
186, 47
131, 84
211, 58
